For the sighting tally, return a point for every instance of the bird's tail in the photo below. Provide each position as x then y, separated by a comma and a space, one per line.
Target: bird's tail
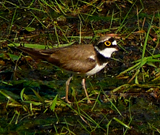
35, 53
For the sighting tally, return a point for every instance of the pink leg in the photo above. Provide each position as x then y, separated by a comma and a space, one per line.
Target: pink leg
84, 87
67, 89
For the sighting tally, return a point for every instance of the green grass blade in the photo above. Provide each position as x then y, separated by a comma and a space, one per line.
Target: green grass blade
53, 105
122, 123
145, 42
8, 97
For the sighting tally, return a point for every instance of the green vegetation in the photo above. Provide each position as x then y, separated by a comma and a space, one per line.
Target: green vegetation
125, 95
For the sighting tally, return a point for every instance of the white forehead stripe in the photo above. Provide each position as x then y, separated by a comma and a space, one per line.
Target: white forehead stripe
114, 42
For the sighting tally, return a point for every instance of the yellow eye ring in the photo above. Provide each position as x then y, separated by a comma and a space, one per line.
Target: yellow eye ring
107, 43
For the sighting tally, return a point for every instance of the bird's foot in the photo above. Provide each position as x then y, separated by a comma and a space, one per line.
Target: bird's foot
89, 101
69, 102
66, 99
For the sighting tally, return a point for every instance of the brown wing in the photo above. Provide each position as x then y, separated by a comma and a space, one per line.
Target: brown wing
72, 58
75, 58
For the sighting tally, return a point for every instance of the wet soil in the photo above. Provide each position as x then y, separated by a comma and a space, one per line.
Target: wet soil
134, 104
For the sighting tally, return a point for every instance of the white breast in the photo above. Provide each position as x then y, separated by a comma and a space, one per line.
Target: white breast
96, 69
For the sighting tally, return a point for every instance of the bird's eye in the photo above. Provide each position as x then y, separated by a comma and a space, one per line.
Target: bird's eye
107, 43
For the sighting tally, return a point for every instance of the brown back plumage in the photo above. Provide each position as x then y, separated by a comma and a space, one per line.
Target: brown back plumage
74, 58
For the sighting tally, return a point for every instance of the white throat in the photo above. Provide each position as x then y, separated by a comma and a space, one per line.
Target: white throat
107, 52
